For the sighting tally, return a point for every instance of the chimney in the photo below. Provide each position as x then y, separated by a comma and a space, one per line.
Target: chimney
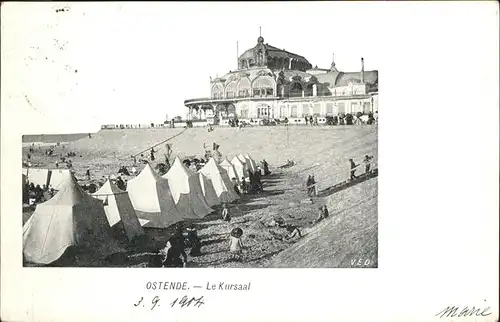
362, 70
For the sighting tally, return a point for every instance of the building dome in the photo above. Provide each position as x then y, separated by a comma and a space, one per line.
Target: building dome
265, 55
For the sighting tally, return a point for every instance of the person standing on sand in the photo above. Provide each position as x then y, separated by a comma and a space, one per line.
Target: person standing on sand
152, 154
225, 213
353, 169
326, 213
236, 187
308, 185
313, 187
174, 250
88, 174
244, 185
367, 162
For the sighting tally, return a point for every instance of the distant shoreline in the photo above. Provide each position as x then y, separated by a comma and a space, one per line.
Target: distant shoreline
52, 138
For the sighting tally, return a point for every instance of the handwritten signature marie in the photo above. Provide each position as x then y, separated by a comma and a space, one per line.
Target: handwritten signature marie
456, 311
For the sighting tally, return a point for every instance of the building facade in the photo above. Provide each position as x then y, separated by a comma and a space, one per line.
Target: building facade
272, 83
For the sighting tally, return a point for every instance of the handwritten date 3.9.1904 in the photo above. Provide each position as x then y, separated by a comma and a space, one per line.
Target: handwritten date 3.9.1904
181, 302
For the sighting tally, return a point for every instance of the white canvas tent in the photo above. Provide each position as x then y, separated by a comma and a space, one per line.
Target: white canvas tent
239, 168
37, 176
186, 189
244, 161
58, 176
119, 209
252, 165
208, 190
231, 170
151, 198
53, 177
220, 180
70, 218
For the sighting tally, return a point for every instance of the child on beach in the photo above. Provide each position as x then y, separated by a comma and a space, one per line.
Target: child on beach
236, 246
225, 213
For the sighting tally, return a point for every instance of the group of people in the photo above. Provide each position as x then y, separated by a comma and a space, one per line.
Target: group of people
311, 120
366, 161
36, 194
311, 186
254, 185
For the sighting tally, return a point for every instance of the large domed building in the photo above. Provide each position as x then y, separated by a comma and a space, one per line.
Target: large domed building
273, 83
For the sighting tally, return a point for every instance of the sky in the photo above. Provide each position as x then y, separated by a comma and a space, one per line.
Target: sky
98, 63
72, 67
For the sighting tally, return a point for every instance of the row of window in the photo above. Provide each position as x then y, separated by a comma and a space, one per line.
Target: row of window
265, 112
262, 92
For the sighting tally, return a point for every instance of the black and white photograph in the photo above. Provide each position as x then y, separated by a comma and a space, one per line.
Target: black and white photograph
276, 167
225, 161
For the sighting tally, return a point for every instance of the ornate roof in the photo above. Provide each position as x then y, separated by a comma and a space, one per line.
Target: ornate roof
271, 51
343, 79
251, 73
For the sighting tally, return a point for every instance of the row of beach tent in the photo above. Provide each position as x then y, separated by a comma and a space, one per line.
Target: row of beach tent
47, 177
74, 218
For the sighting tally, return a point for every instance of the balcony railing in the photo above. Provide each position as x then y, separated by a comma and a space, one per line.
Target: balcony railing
290, 95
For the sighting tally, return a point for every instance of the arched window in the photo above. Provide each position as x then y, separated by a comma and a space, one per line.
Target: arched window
244, 87
231, 89
296, 89
263, 86
217, 91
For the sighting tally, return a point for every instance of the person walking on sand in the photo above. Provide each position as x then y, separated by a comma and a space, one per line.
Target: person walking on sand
225, 213
313, 187
236, 245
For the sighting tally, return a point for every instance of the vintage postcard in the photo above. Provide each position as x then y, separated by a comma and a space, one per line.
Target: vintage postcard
210, 154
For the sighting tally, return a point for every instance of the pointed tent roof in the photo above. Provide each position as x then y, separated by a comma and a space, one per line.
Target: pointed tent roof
239, 167
231, 170
208, 190
119, 209
244, 161
186, 190
58, 176
250, 162
151, 198
70, 218
220, 180
37, 176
